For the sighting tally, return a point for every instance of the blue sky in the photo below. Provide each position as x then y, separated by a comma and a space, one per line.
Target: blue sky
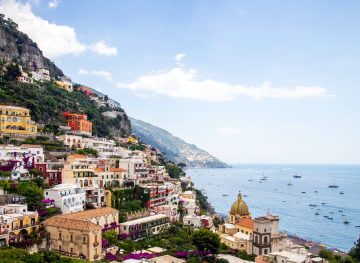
248, 81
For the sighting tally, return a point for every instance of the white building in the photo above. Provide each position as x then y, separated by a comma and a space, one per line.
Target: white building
68, 197
286, 257
23, 158
144, 227
198, 222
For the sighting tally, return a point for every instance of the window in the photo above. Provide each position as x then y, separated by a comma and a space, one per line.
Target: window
60, 237
71, 239
59, 248
84, 240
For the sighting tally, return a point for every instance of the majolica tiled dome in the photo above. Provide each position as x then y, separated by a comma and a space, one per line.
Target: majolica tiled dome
239, 207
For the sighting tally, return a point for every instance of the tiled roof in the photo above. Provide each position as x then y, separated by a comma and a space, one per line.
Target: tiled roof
77, 156
98, 169
59, 221
84, 215
246, 222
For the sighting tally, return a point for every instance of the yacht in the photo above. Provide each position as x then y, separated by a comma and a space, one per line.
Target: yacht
297, 176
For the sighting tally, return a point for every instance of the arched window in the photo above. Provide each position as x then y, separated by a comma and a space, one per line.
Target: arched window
265, 239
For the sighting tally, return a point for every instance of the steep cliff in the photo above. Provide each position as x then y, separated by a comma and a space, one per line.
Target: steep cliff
17, 46
174, 148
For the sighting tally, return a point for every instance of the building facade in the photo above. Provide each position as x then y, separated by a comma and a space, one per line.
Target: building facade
78, 122
69, 198
16, 120
265, 235
144, 227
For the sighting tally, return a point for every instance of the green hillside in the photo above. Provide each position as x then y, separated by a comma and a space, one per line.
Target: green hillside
47, 102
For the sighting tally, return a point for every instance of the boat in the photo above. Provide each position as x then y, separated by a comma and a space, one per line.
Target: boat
342, 192
245, 195
313, 205
357, 226
334, 185
316, 191
317, 213
224, 195
340, 211
330, 218
326, 216
250, 180
303, 192
346, 222
290, 183
297, 176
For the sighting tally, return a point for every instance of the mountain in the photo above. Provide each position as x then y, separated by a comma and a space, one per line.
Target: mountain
17, 46
174, 148
46, 100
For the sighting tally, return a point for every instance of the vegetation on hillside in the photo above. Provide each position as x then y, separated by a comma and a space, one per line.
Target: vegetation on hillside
47, 102
11, 255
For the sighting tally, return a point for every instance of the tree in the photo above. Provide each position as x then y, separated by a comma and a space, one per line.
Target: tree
205, 240
88, 151
12, 72
355, 251
111, 236
32, 193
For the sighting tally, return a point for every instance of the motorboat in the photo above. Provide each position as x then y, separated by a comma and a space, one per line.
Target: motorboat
297, 176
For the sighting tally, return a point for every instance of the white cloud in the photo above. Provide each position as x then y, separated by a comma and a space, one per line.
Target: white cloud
103, 49
54, 40
178, 58
100, 73
228, 131
184, 83
53, 4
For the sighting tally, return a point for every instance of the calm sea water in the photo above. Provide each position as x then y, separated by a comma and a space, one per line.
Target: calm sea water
289, 202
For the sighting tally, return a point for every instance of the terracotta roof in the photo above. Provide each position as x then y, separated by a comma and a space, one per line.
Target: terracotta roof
98, 169
84, 215
59, 221
77, 156
246, 222
117, 170
31, 145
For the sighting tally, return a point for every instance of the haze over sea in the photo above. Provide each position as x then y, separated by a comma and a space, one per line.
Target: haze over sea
274, 194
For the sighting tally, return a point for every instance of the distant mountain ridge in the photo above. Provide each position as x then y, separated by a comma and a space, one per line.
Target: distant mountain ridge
173, 147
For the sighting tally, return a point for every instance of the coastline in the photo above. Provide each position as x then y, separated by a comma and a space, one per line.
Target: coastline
314, 246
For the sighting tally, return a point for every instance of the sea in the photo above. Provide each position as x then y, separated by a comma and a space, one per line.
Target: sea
307, 207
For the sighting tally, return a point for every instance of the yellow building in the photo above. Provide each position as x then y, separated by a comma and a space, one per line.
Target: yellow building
16, 222
16, 120
66, 85
80, 234
237, 231
74, 238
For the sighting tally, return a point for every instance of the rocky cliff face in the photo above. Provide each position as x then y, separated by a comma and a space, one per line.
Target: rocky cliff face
17, 46
174, 148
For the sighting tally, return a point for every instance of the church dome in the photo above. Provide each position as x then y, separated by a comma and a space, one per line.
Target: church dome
239, 207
